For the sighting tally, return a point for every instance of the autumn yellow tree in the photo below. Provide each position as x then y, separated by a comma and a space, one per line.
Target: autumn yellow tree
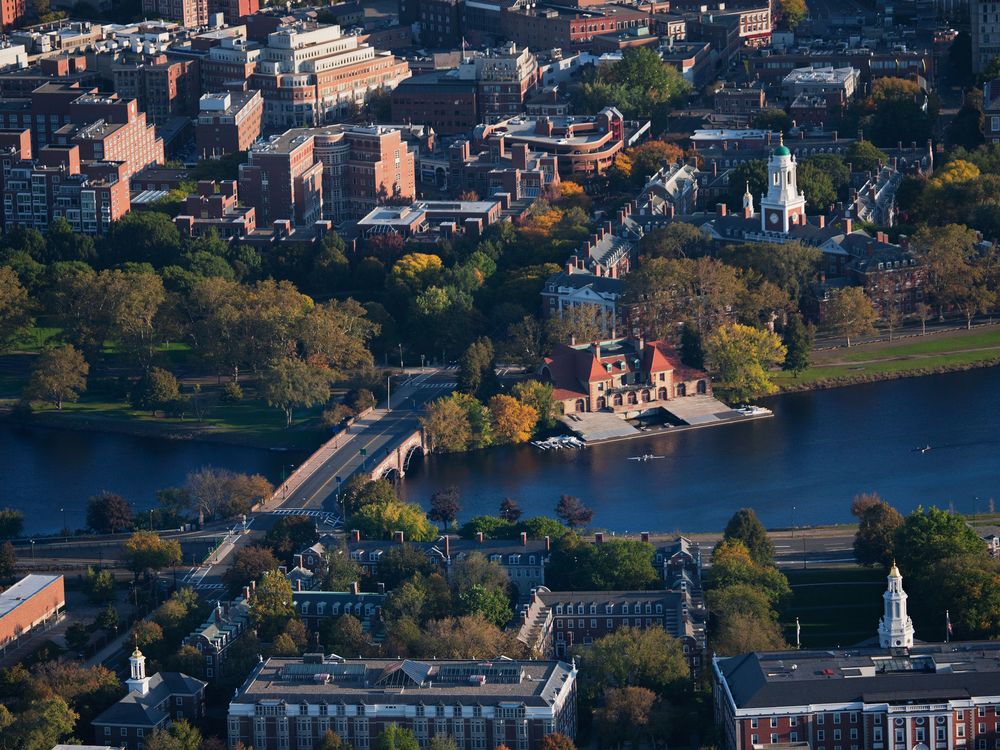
569, 194
417, 270
447, 426
513, 421
741, 357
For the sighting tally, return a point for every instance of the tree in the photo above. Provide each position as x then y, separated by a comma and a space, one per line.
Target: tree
223, 493
271, 603
878, 524
732, 565
741, 357
773, 119
816, 185
360, 491
344, 635
742, 633
798, 340
108, 512
43, 724
635, 657
443, 742
490, 604
674, 241
510, 510
968, 586
445, 506
865, 156
249, 564
625, 715
291, 534
99, 585
331, 741
59, 375
538, 396
966, 129
573, 512
146, 634
581, 322
447, 426
650, 157
8, 560
156, 390
929, 535
11, 523
793, 12
335, 335
380, 520
180, 736
291, 383
15, 304
513, 421
107, 619
77, 637
466, 637
556, 741
477, 369
396, 737
745, 527
849, 313
145, 551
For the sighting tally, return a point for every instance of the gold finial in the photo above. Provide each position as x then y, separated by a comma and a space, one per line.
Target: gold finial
894, 571
781, 138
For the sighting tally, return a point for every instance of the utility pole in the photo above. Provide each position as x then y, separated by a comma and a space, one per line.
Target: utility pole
388, 396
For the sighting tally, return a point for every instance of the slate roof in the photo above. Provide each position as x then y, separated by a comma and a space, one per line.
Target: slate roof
602, 285
143, 710
937, 672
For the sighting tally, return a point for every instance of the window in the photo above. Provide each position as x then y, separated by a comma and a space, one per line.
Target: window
820, 719
854, 734
138, 732
820, 735
774, 738
793, 721
854, 717
753, 723
836, 718
178, 701
107, 731
774, 722
836, 735
754, 739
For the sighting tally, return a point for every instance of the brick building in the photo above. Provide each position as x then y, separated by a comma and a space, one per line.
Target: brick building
312, 74
216, 207
625, 376
313, 607
11, 11
228, 122
214, 637
745, 102
32, 601
421, 217
89, 194
335, 172
163, 89
991, 109
554, 26
898, 694
497, 168
152, 703
229, 64
189, 13
556, 622
292, 703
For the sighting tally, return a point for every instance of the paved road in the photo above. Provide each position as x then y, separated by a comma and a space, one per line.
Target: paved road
377, 434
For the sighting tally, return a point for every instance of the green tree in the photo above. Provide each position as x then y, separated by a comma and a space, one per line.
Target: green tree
249, 564
156, 390
477, 369
741, 357
145, 237
77, 637
43, 724
878, 524
774, 119
380, 520
968, 586
966, 129
816, 185
15, 304
442, 742
107, 619
849, 313
929, 535
108, 512
146, 634
291, 384
359, 491
538, 396
290, 535
674, 241
744, 526
491, 604
99, 585
865, 156
401, 563
8, 559
798, 339
344, 635
59, 375
397, 738
743, 633
271, 604
146, 551
732, 565
331, 741
11, 523
793, 12
634, 657
180, 736
573, 512
447, 426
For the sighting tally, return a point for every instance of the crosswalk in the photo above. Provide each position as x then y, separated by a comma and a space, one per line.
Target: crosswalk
209, 587
450, 384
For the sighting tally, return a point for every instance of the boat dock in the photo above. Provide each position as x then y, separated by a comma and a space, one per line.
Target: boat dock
689, 413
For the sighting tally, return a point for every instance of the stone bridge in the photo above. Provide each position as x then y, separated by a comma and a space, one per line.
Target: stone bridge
394, 465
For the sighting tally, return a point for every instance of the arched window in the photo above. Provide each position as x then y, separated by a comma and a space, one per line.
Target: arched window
662, 394
631, 398
580, 405
681, 389
645, 396
617, 400
601, 403
702, 386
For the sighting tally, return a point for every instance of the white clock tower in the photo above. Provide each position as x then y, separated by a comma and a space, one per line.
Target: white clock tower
783, 206
895, 629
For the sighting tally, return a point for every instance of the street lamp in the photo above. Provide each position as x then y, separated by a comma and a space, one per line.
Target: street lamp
388, 389
400, 355
65, 527
32, 552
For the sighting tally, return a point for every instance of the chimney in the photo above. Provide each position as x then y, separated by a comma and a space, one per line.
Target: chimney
721, 208
848, 225
821, 219
253, 587
356, 535
399, 537
596, 347
835, 136
570, 265
298, 560
715, 168
479, 537
644, 536
298, 584
447, 547
904, 241
607, 227
599, 538
355, 588
524, 539
246, 593
380, 587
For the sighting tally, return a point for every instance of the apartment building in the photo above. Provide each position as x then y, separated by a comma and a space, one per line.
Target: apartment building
229, 63
228, 122
335, 172
188, 13
311, 74
214, 637
291, 703
90, 195
215, 207
985, 18
163, 89
11, 11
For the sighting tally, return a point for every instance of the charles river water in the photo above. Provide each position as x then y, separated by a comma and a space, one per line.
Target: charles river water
800, 468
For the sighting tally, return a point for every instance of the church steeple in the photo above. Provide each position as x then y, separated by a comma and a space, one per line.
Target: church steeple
895, 629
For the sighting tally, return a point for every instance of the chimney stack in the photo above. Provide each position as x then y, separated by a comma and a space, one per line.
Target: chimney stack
355, 588
599, 537
298, 584
356, 535
524, 539
721, 207
548, 543
380, 587
479, 537
399, 537
644, 536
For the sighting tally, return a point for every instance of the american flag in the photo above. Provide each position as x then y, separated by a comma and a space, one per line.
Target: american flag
947, 625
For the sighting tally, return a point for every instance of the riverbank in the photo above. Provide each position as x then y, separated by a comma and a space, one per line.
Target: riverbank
948, 351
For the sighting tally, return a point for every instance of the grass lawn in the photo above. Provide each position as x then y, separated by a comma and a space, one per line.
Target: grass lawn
946, 350
835, 606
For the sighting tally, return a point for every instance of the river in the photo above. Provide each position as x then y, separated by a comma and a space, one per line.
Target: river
820, 449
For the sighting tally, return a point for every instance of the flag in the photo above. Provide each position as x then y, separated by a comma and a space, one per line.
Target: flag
947, 625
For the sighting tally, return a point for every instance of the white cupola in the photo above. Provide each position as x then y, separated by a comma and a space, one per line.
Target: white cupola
895, 629
138, 681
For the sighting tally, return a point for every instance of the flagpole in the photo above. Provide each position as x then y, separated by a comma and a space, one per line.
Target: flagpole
798, 634
947, 626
